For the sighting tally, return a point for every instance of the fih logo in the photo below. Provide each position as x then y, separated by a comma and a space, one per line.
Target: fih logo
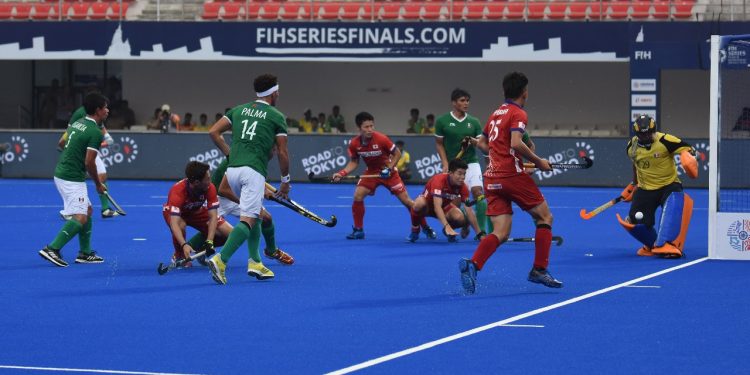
125, 151
569, 155
701, 154
211, 157
738, 235
18, 150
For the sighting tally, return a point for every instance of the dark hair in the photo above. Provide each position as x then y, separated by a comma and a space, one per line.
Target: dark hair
203, 115
399, 143
195, 170
430, 116
94, 101
414, 110
362, 117
514, 84
457, 164
264, 82
458, 94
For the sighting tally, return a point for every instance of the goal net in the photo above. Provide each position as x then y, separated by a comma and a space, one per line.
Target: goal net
729, 171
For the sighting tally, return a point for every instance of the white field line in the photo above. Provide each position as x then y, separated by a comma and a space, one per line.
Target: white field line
98, 371
503, 322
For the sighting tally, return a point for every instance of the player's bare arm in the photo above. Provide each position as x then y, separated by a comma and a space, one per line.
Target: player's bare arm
226, 191
516, 142
177, 225
471, 216
441, 151
283, 154
91, 169
217, 130
395, 156
437, 205
213, 220
482, 144
350, 166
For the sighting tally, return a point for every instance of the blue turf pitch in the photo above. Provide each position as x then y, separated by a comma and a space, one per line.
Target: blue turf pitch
345, 302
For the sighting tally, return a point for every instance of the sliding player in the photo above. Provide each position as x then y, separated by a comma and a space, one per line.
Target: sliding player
441, 199
450, 131
655, 183
79, 151
193, 202
106, 211
380, 156
229, 205
505, 181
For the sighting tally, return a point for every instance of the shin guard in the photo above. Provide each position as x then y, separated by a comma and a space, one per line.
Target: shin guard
675, 220
642, 233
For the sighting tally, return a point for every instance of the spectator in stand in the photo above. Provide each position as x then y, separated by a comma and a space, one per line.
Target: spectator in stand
187, 124
218, 116
336, 120
153, 123
403, 163
415, 123
323, 125
315, 125
292, 124
167, 120
305, 124
202, 125
429, 126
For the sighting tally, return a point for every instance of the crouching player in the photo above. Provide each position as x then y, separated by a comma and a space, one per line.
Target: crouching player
193, 202
655, 183
442, 199
229, 205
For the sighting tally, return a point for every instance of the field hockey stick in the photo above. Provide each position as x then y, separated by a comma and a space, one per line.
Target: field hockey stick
117, 207
314, 178
162, 269
296, 207
467, 202
587, 163
557, 240
588, 215
464, 146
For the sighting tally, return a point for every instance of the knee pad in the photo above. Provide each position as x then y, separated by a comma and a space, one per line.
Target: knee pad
675, 220
644, 234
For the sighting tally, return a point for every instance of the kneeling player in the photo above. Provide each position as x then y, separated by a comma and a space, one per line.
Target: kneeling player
442, 199
229, 205
655, 184
193, 202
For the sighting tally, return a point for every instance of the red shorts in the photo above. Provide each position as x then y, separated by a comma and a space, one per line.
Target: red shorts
519, 189
198, 220
431, 208
393, 183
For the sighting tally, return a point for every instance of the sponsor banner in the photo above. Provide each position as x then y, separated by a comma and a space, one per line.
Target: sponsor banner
732, 236
734, 52
642, 84
163, 156
643, 100
635, 113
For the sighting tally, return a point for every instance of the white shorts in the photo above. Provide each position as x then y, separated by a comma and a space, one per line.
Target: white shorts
227, 208
100, 167
473, 176
75, 197
250, 184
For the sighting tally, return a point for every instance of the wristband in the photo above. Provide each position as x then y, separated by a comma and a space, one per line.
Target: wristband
342, 172
183, 245
286, 179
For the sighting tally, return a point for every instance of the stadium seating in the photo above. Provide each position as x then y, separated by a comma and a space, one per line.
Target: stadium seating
351, 11
42, 11
291, 10
535, 11
495, 11
432, 12
640, 10
270, 11
99, 11
211, 10
6, 11
557, 10
23, 11
389, 11
515, 10
578, 10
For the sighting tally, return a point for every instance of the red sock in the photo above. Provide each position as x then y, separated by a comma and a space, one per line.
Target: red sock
423, 222
414, 218
358, 212
542, 244
485, 250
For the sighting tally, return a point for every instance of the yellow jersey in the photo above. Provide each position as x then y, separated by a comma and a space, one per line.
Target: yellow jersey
654, 165
405, 159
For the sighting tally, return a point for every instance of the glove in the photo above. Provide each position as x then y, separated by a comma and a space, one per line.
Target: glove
627, 193
208, 247
385, 172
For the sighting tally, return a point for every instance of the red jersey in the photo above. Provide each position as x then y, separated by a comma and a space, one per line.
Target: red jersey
439, 185
180, 201
376, 153
504, 162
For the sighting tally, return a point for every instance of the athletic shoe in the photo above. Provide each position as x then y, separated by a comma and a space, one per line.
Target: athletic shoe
53, 256
465, 231
202, 260
357, 234
429, 232
258, 270
218, 268
413, 235
109, 213
280, 255
89, 258
481, 235
645, 251
468, 275
542, 276
668, 251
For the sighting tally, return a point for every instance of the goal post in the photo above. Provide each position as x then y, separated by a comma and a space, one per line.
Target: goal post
729, 144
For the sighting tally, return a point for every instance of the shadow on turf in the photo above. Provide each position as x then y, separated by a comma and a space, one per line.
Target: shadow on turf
457, 295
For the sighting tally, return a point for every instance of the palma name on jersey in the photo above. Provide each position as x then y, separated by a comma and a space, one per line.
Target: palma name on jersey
254, 112
78, 125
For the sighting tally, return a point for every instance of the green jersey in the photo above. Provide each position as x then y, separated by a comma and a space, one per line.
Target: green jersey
77, 115
453, 132
219, 173
82, 135
254, 129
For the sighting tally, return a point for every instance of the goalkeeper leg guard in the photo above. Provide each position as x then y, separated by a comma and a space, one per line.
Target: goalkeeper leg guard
675, 220
644, 234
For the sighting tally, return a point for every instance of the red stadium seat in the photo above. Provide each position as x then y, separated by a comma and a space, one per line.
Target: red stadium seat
536, 11
210, 10
619, 10
350, 11
577, 11
661, 10
290, 10
368, 10
23, 11
412, 11
515, 10
252, 10
597, 11
682, 10
6, 11
329, 11
389, 11
99, 11
231, 10
459, 10
80, 11
270, 11
495, 11
41, 11
640, 10
432, 11
115, 14
557, 10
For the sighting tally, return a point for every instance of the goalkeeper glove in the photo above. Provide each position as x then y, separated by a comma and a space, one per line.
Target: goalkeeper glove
208, 247
627, 193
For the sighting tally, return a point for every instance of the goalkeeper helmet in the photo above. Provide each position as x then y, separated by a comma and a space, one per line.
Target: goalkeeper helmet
644, 127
